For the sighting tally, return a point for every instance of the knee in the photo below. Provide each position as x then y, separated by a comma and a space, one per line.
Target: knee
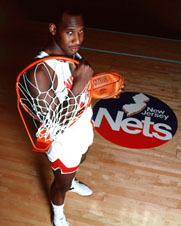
61, 187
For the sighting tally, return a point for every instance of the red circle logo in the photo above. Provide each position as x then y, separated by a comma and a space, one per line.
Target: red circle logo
135, 120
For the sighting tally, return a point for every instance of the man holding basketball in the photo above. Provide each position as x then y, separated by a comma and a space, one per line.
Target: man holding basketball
69, 149
56, 92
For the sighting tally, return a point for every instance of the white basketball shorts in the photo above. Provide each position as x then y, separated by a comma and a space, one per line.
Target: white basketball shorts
66, 151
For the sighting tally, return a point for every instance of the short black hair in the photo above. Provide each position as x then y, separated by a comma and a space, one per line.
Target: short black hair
73, 8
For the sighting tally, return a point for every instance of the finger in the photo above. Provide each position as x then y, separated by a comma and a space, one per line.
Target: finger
72, 67
84, 62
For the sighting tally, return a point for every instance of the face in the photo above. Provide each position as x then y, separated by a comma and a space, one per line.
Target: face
69, 34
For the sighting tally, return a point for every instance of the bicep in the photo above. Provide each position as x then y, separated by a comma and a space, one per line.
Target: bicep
39, 82
41, 86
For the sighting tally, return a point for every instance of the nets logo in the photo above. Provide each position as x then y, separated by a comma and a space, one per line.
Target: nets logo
135, 120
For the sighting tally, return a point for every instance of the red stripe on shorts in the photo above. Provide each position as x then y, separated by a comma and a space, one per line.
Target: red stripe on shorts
58, 164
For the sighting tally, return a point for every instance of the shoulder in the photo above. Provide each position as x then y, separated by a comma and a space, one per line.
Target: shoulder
41, 54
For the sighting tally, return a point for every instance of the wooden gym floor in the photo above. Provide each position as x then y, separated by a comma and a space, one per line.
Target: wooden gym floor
132, 187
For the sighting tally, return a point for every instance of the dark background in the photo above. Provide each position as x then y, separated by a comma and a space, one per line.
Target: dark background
161, 18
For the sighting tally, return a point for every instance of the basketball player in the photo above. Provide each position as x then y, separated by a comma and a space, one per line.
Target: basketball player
69, 149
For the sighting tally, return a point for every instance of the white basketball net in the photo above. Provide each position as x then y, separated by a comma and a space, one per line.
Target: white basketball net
60, 111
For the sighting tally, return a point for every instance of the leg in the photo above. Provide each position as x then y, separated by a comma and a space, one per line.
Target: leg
84, 156
79, 187
60, 186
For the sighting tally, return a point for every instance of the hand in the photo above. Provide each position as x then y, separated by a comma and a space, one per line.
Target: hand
81, 77
121, 91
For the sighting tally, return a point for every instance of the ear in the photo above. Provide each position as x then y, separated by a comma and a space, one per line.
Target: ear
52, 28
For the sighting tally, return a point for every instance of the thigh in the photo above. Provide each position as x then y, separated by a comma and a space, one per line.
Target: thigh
63, 180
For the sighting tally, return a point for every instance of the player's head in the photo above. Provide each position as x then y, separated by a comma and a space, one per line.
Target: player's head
71, 8
67, 29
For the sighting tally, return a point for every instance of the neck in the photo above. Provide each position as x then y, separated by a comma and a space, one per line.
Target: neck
53, 49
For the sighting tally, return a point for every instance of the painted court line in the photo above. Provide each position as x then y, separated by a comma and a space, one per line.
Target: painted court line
132, 55
130, 34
